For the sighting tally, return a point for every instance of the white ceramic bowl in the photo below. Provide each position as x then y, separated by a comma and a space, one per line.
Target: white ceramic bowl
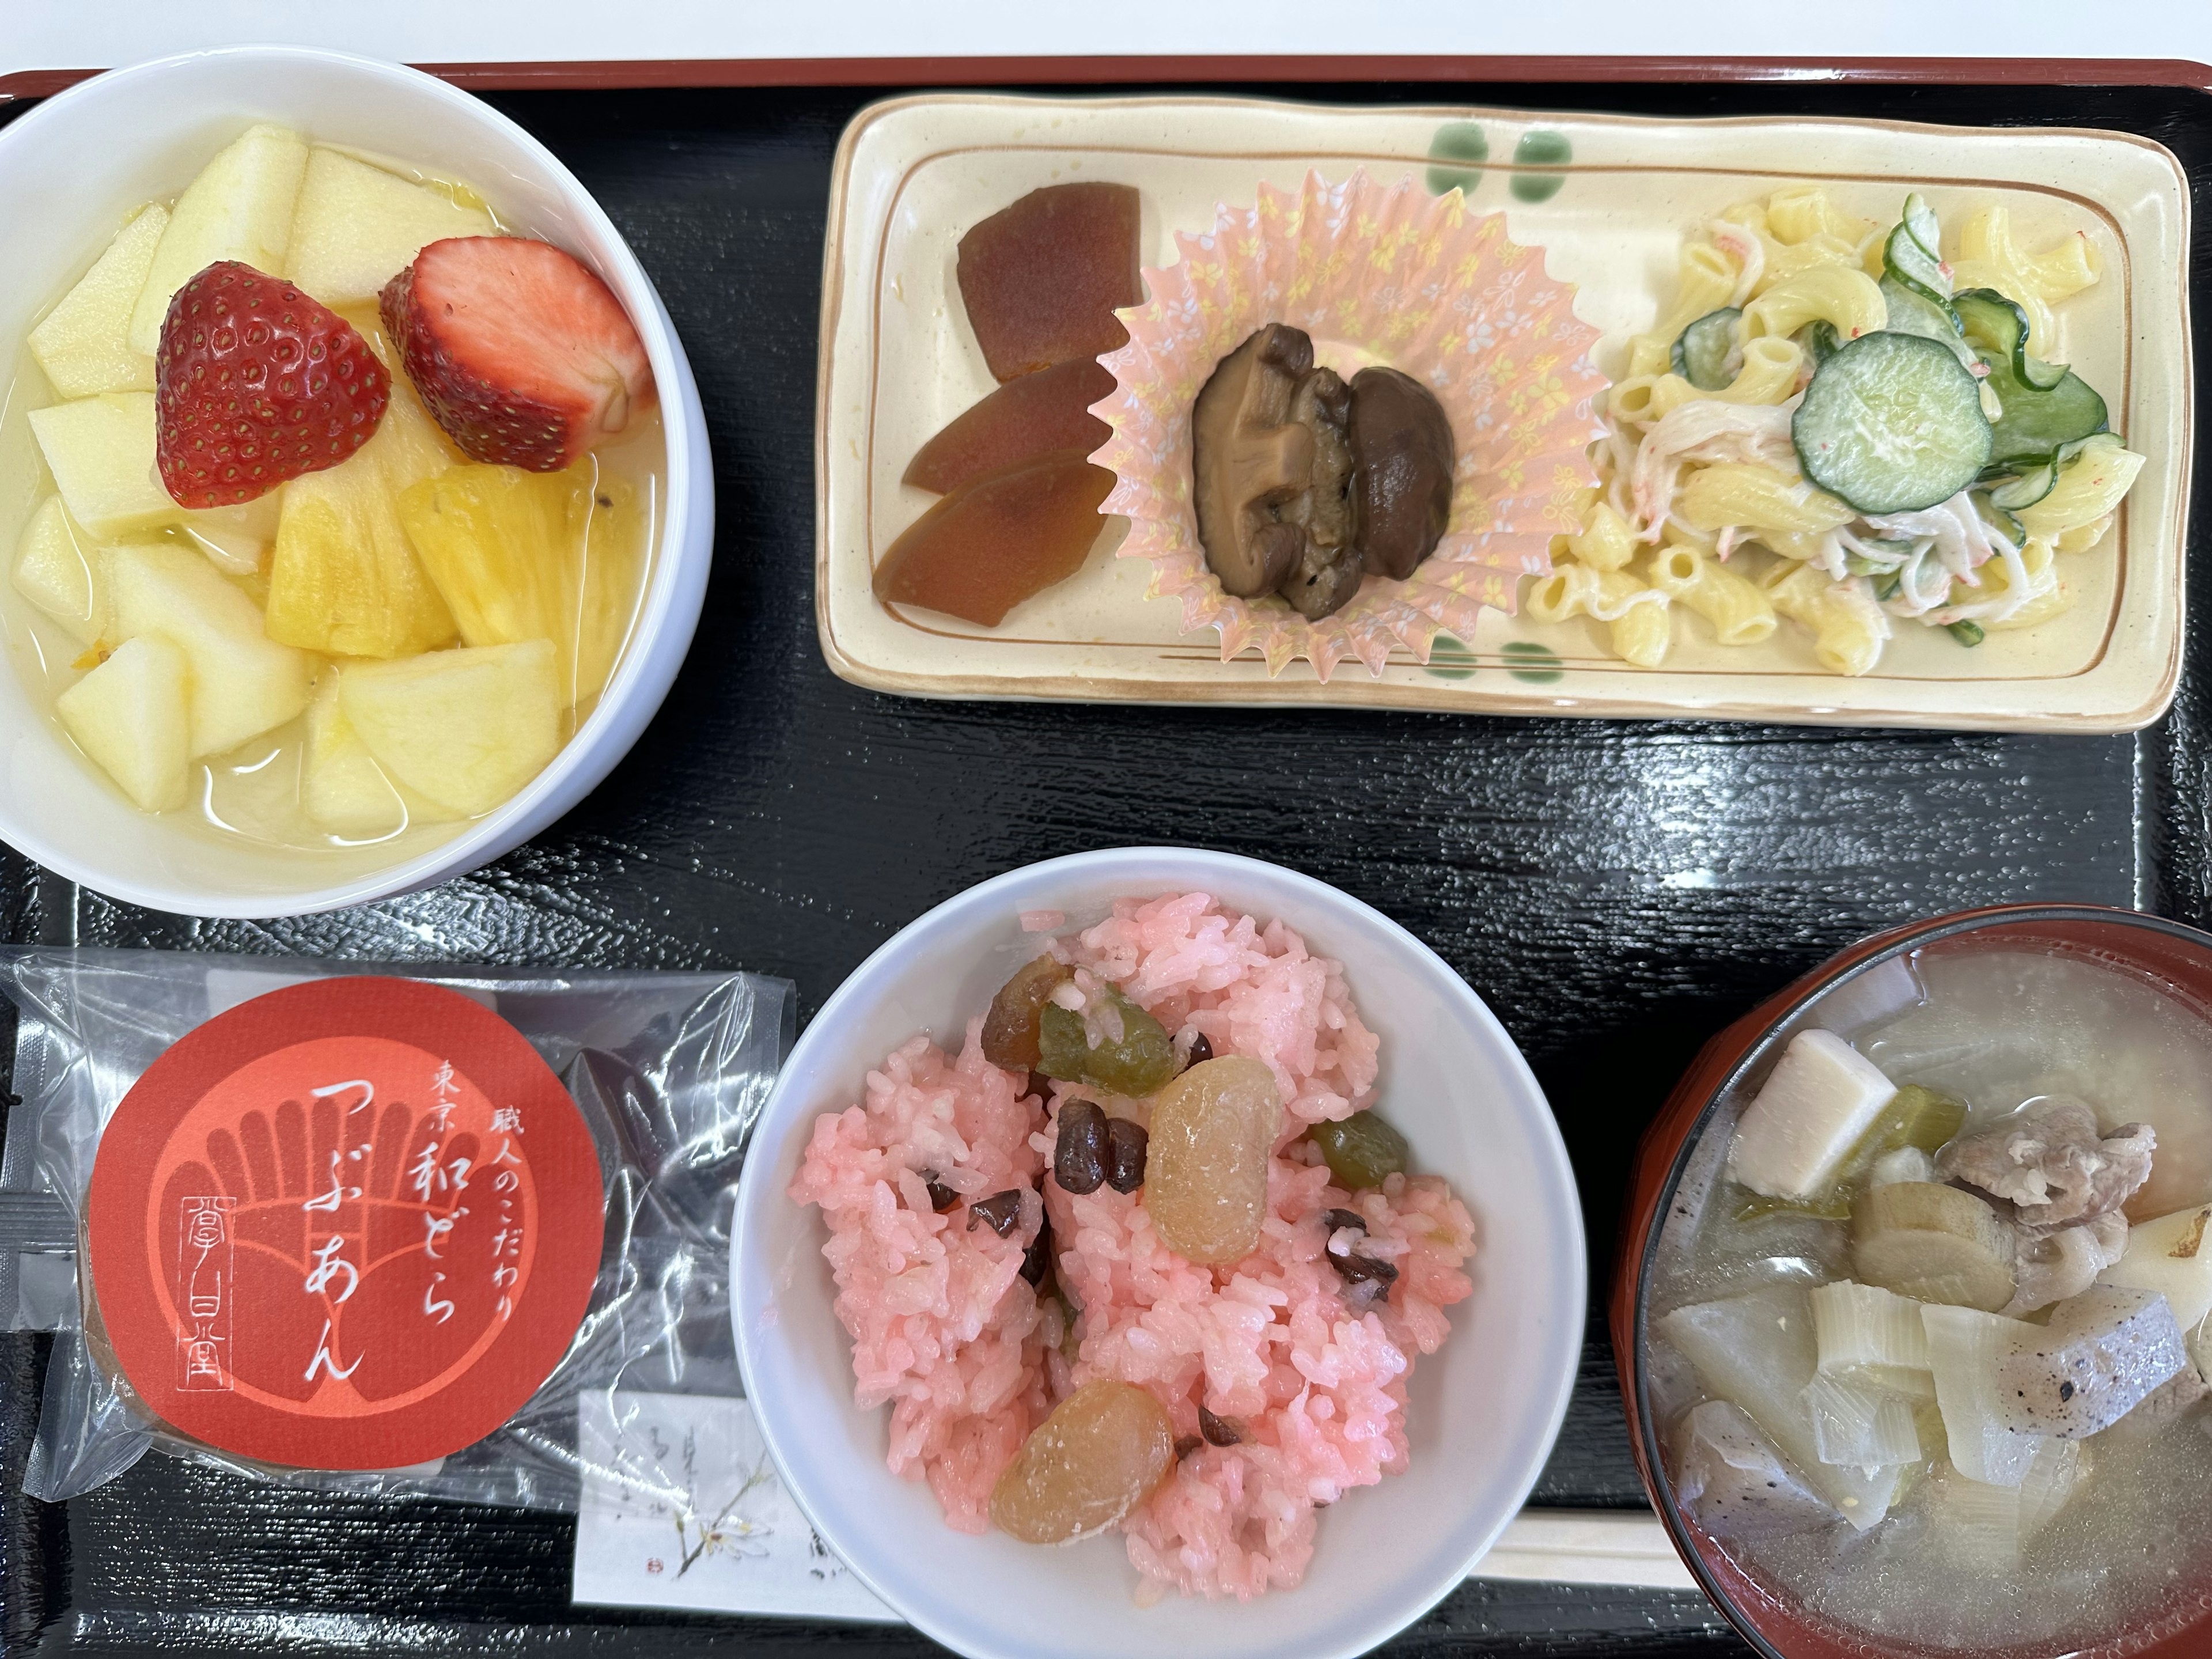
68, 171
1484, 1411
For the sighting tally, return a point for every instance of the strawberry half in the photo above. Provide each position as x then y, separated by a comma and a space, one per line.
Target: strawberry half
523, 355
255, 383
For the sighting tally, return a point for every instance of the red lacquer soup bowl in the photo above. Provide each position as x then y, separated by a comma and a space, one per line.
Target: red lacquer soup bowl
1851, 988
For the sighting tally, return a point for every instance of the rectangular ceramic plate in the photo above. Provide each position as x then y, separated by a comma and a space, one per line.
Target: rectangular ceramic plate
898, 360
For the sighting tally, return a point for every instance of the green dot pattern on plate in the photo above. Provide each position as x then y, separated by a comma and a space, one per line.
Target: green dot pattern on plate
1448, 659
1537, 149
1525, 659
1462, 142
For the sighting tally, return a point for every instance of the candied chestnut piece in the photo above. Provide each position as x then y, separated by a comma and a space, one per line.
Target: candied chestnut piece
1206, 1167
1401, 478
992, 544
1009, 1028
1023, 419
1101, 1453
1042, 277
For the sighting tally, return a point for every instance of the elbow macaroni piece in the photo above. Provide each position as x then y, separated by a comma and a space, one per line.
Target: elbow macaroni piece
1739, 612
1787, 262
1606, 541
1641, 630
1796, 213
1841, 295
1849, 629
1769, 375
2082, 537
2089, 487
2053, 596
1706, 282
1562, 596
1753, 496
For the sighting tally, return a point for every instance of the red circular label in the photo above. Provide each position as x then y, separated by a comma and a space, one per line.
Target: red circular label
350, 1225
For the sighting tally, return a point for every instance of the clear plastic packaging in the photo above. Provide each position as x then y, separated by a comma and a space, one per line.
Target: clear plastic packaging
670, 1071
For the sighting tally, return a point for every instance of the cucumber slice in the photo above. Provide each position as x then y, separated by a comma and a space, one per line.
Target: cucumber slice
1819, 340
1911, 311
1920, 220
1709, 353
1994, 323
2030, 487
1966, 633
1908, 260
2038, 421
1892, 423
2000, 518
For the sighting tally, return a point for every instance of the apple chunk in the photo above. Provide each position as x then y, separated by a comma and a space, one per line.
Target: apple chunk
466, 727
242, 682
358, 226
342, 789
84, 344
59, 573
128, 714
240, 207
100, 450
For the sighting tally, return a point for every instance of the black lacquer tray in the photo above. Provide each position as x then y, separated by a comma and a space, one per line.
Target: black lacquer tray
1617, 891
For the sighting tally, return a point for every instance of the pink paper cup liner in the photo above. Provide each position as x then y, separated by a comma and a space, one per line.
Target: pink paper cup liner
1375, 276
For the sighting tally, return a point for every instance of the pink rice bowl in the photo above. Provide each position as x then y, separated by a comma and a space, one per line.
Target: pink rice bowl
947, 1332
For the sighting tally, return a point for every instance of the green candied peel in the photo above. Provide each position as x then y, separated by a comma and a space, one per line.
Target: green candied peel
1463, 142
1141, 1062
1448, 659
1914, 1117
1525, 659
1361, 1150
1537, 149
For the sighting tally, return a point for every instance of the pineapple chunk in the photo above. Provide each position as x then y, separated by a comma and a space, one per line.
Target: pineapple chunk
100, 450
345, 579
467, 727
522, 556
343, 788
128, 714
242, 683
358, 226
613, 534
84, 344
240, 207
59, 573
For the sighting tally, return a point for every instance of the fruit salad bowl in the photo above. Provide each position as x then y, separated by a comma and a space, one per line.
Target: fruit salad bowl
74, 167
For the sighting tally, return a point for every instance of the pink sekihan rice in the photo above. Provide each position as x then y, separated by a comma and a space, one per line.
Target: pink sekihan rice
947, 1329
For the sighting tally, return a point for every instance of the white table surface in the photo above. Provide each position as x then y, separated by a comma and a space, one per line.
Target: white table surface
87, 33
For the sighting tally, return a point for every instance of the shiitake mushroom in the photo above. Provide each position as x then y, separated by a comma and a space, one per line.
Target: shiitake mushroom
1304, 484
